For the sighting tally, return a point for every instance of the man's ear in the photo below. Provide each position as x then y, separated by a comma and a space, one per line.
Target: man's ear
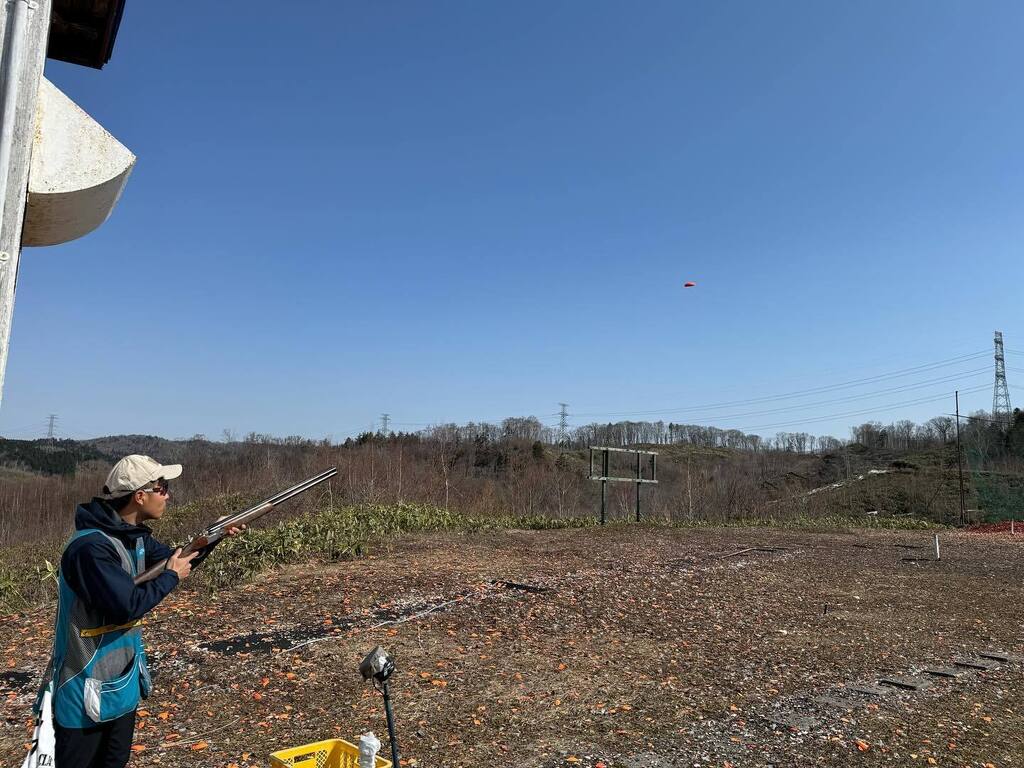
139, 497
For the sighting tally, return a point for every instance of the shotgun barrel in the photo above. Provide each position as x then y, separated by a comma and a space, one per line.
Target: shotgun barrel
295, 490
219, 528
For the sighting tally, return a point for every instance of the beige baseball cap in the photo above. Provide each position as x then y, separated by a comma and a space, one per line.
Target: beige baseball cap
133, 472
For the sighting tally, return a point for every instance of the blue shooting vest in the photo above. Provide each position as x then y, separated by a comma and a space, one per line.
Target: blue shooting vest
99, 671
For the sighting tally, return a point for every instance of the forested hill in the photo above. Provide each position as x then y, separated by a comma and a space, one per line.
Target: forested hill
520, 467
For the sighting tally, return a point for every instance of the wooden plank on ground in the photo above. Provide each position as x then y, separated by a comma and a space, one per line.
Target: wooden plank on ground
975, 664
1003, 657
907, 683
944, 671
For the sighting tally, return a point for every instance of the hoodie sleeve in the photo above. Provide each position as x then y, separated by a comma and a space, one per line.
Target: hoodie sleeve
93, 571
156, 551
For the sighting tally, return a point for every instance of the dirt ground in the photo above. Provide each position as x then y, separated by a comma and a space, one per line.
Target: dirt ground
627, 647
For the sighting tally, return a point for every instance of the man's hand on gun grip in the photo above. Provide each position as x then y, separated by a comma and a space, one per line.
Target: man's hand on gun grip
181, 565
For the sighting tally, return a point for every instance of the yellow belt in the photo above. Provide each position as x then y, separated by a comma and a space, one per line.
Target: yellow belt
108, 628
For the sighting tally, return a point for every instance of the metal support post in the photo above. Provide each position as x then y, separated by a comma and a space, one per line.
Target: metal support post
959, 461
604, 485
638, 476
391, 726
25, 28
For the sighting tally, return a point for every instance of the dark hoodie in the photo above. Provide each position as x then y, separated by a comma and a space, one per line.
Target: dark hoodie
92, 567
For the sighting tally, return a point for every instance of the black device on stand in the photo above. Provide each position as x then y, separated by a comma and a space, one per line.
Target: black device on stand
378, 666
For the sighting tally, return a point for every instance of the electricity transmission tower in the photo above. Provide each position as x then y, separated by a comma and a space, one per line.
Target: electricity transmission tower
385, 424
563, 422
1001, 410
51, 423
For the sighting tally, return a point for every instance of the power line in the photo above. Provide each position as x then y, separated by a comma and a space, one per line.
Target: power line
800, 393
850, 398
922, 368
862, 412
32, 428
953, 378
868, 411
974, 418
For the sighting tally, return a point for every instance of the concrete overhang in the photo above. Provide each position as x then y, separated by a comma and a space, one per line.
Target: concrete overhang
77, 173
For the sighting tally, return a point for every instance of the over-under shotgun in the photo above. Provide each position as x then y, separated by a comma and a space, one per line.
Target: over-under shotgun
219, 529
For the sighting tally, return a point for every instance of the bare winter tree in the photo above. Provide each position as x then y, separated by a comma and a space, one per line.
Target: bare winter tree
943, 426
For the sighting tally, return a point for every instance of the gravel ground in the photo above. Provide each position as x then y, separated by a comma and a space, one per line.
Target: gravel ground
625, 647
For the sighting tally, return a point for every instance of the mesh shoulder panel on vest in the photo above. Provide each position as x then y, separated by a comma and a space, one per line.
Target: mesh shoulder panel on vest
79, 650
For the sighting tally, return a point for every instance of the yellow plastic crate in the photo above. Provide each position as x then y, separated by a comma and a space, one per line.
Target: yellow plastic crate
332, 753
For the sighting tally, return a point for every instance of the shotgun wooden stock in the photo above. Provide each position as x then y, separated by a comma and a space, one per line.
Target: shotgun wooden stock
219, 529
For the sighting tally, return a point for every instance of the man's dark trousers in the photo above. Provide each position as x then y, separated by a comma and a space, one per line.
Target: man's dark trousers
106, 746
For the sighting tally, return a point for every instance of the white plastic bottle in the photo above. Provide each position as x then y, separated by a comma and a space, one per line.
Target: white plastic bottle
369, 745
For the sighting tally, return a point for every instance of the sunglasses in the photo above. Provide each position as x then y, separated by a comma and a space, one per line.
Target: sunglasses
161, 488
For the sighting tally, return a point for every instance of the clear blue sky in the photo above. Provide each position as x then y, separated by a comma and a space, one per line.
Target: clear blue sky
456, 211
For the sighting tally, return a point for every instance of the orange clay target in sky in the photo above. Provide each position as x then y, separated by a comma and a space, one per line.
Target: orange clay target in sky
689, 284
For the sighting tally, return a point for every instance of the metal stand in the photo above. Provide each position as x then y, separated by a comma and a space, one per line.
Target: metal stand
379, 667
391, 725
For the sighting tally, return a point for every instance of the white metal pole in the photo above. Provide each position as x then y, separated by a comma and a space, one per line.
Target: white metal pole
10, 84
26, 26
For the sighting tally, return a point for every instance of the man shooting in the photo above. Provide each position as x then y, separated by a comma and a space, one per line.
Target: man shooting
98, 668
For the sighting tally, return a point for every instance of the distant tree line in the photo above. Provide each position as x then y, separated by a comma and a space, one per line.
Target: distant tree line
520, 466
903, 435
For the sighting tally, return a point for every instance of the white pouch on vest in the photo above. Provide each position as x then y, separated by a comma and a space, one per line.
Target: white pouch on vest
44, 740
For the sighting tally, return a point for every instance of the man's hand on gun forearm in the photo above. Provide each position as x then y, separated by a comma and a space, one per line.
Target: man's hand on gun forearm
235, 529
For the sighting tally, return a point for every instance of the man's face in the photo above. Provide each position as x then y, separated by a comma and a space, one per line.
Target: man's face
152, 500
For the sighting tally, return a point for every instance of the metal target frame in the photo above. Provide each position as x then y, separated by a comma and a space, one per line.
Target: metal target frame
638, 478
